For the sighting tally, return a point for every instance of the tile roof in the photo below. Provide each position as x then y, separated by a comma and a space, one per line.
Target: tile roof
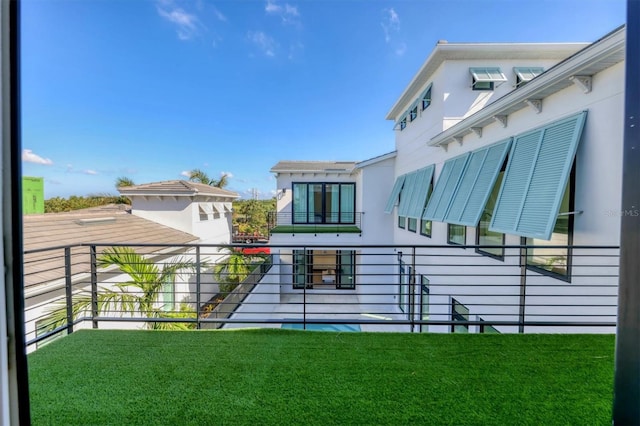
176, 187
107, 224
314, 167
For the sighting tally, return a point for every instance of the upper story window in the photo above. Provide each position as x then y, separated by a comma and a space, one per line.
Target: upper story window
330, 203
555, 262
526, 74
426, 98
486, 78
403, 123
413, 113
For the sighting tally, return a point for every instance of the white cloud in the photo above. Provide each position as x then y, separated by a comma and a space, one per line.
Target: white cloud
287, 13
185, 173
229, 174
390, 23
186, 23
219, 15
264, 42
30, 157
401, 49
89, 172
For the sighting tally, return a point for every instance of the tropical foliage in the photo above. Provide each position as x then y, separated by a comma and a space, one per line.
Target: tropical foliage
124, 181
233, 270
140, 296
197, 175
58, 204
251, 216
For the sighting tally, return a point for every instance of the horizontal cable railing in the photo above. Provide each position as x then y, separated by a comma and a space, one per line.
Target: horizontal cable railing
518, 289
346, 221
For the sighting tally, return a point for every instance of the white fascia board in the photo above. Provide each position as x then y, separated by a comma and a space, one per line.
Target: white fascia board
557, 75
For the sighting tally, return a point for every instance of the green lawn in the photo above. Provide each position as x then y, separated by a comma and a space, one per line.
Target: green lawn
282, 377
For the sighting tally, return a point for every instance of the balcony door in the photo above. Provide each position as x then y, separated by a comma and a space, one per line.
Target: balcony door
324, 269
324, 203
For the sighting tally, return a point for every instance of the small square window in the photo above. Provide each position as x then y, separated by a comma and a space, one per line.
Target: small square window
403, 123
426, 99
526, 74
412, 224
402, 221
413, 114
483, 85
457, 234
485, 78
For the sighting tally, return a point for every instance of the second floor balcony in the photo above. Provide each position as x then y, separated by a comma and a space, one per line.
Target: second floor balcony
315, 222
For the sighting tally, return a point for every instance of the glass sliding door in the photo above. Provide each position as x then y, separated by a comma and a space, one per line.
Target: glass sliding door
299, 203
403, 287
424, 302
347, 203
347, 269
315, 203
299, 269
332, 203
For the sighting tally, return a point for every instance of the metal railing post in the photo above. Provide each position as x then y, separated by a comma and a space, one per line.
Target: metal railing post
198, 288
523, 286
94, 285
412, 290
68, 290
304, 289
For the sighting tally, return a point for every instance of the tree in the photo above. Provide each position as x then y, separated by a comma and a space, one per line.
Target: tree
139, 296
197, 175
233, 270
123, 181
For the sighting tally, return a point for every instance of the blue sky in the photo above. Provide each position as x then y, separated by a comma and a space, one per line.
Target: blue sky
151, 89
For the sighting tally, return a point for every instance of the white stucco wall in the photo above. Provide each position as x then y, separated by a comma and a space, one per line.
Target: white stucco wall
183, 214
597, 195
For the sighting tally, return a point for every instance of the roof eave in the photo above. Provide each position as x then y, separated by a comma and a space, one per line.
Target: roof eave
554, 79
451, 51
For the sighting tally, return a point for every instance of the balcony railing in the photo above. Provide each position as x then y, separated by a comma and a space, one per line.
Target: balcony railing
348, 288
287, 222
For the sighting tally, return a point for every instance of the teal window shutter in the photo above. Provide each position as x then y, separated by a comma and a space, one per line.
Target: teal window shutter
406, 194
445, 188
537, 172
476, 184
487, 74
425, 97
395, 194
421, 189
526, 74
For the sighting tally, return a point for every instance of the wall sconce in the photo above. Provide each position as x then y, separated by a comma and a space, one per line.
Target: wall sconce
399, 256
281, 193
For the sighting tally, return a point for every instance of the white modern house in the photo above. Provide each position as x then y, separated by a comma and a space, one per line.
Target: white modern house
195, 208
164, 223
496, 145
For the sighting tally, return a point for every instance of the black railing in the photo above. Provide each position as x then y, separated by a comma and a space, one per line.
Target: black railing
286, 222
365, 287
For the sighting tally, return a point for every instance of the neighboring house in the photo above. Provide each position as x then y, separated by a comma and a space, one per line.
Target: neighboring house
198, 209
172, 214
496, 144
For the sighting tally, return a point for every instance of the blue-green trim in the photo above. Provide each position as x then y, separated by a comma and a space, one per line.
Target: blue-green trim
539, 166
420, 192
395, 193
445, 188
476, 184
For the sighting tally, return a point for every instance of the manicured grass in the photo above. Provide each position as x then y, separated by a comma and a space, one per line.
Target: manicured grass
284, 377
315, 229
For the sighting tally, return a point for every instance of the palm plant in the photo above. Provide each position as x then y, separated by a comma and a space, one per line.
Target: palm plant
123, 181
197, 175
139, 296
233, 270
